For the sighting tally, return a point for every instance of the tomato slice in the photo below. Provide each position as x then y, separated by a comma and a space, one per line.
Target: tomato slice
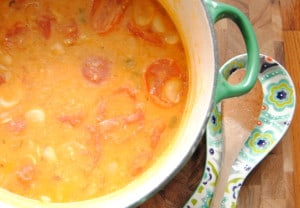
96, 69
165, 82
105, 14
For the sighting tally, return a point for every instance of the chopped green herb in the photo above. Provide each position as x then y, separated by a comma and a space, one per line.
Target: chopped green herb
173, 121
11, 2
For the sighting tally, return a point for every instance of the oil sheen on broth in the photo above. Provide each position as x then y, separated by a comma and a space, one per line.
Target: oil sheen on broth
91, 93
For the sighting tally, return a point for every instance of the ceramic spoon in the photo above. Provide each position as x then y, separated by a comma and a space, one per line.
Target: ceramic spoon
239, 118
204, 193
202, 197
274, 119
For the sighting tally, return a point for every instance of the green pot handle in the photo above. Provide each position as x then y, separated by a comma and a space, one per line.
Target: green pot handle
224, 90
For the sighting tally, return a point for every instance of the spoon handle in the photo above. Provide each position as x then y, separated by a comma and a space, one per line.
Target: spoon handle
203, 194
274, 120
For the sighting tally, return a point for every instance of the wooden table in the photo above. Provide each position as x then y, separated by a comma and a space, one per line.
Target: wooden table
275, 183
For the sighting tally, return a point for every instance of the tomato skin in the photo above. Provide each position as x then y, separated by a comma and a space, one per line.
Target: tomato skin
158, 74
70, 32
96, 69
44, 26
2, 79
106, 14
130, 91
145, 34
156, 134
94, 144
17, 29
16, 126
73, 120
135, 117
26, 173
15, 35
140, 162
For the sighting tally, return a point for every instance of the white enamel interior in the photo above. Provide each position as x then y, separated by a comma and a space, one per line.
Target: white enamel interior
196, 32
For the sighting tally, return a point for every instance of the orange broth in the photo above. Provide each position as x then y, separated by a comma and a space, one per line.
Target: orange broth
91, 93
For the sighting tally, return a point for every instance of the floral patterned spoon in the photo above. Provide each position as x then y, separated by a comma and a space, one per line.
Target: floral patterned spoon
274, 119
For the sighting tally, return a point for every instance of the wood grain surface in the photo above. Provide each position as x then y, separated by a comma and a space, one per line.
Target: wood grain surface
292, 58
290, 12
275, 183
